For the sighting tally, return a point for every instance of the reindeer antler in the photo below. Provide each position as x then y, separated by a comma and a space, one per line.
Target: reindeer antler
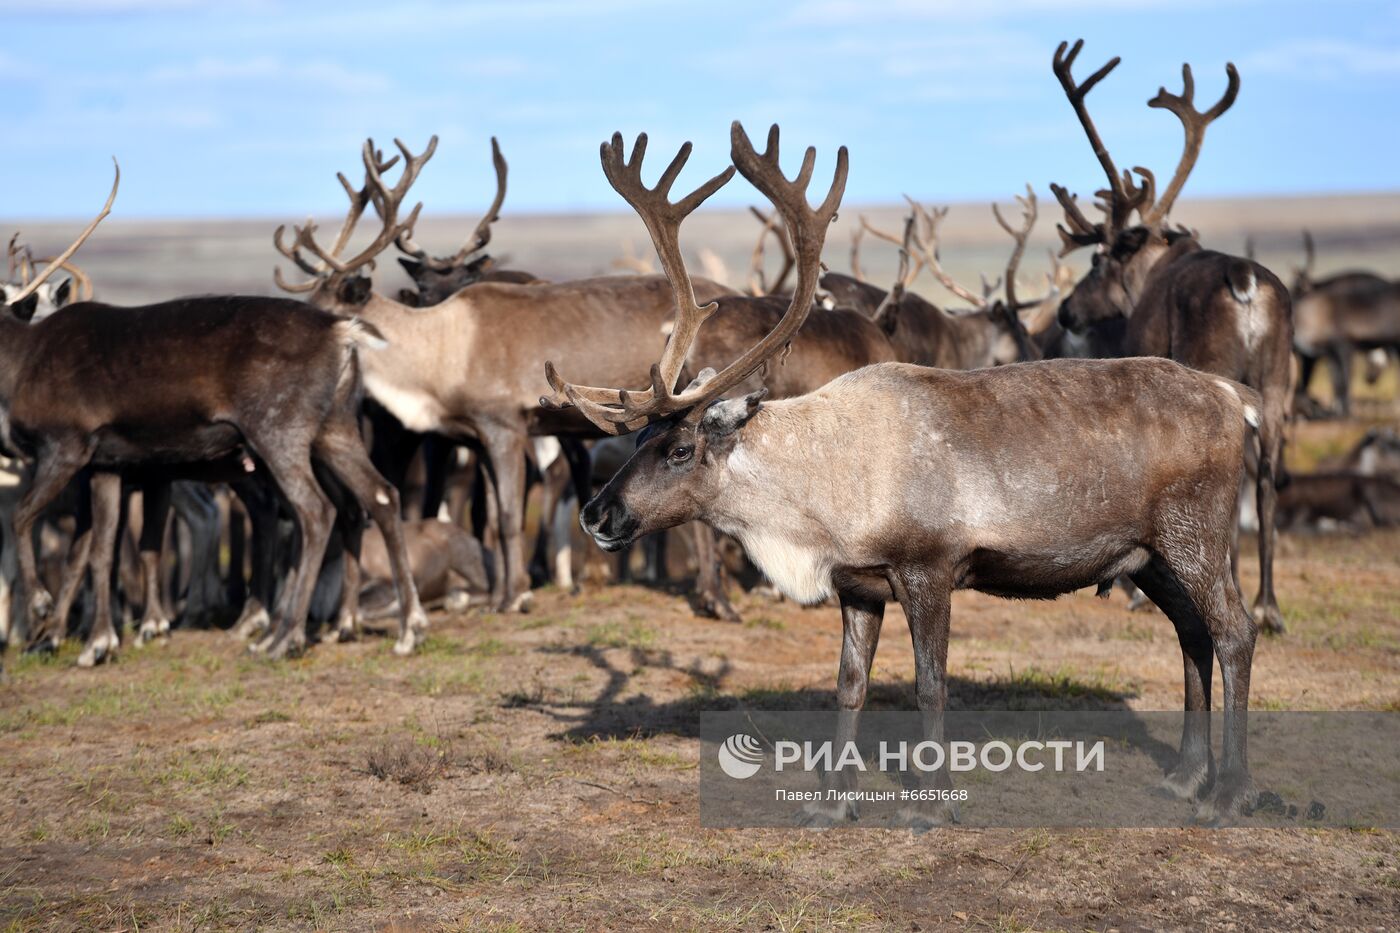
908, 272
1029, 212
620, 411
480, 236
386, 202
1122, 196
1194, 124
772, 224
62, 258
925, 236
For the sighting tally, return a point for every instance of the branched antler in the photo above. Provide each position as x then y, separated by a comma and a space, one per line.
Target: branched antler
620, 411
386, 202
1194, 123
480, 236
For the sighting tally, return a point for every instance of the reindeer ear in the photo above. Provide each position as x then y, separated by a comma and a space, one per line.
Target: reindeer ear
26, 308
1129, 242
729, 415
63, 293
411, 266
354, 290
704, 376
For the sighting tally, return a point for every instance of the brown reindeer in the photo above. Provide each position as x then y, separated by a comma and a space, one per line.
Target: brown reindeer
1213, 312
900, 482
468, 366
182, 384
1335, 317
987, 334
438, 278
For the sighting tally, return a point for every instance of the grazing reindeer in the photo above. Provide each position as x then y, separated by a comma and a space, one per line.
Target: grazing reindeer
904, 482
189, 382
467, 367
438, 278
1335, 317
1213, 312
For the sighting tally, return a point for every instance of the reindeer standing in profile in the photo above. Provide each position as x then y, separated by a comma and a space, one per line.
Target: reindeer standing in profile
1217, 313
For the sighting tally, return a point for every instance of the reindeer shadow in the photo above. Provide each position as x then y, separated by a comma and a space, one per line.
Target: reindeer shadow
609, 714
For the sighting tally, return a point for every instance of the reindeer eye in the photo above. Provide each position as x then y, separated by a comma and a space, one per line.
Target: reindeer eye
681, 454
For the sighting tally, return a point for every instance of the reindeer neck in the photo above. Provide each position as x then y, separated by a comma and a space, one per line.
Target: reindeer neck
15, 338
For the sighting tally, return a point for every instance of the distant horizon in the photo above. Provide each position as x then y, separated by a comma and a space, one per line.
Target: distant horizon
1050, 209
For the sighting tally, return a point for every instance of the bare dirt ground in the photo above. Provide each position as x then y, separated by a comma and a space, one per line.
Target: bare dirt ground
540, 772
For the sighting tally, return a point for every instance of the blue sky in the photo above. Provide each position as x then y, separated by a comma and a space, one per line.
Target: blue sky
248, 108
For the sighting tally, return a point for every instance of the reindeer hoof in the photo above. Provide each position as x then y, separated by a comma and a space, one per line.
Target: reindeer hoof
457, 602
521, 603
288, 646
102, 648
408, 643
252, 625
1269, 618
40, 605
1231, 799
712, 606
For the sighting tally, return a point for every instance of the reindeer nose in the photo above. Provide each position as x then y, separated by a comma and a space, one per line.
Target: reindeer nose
608, 522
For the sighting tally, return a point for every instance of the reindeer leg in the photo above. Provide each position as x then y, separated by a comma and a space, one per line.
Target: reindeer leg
505, 450
55, 465
289, 463
261, 505
103, 641
926, 595
1266, 610
340, 449
75, 570
196, 507
1195, 769
860, 625
710, 598
155, 515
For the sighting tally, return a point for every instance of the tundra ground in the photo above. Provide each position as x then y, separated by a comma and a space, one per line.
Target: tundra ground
540, 772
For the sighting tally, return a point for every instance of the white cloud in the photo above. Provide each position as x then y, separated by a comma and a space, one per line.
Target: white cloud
1325, 58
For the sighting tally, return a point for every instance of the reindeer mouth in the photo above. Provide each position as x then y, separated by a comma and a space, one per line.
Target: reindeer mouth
611, 544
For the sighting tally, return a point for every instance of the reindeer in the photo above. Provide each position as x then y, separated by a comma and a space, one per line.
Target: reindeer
1335, 317
465, 367
989, 334
1213, 312
186, 383
900, 482
438, 278
49, 296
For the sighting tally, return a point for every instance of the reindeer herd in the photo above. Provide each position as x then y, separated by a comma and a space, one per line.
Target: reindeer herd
860, 444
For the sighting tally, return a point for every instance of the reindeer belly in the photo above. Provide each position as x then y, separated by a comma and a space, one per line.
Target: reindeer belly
1032, 574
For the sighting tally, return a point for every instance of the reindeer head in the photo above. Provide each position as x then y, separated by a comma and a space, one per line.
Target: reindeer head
1126, 250
338, 283
437, 278
683, 455
993, 325
34, 297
